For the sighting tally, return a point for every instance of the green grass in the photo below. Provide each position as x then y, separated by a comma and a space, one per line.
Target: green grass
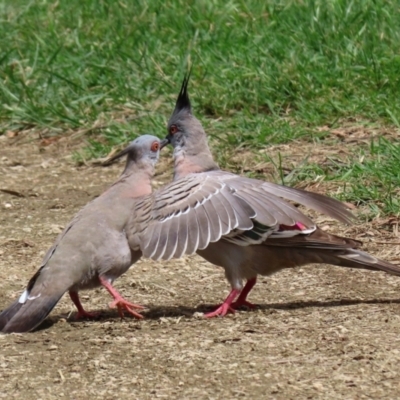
370, 176
263, 72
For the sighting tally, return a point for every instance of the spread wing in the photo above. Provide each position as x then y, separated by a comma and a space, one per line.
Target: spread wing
189, 213
318, 202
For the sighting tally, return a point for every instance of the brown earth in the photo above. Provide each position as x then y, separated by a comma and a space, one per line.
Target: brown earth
319, 332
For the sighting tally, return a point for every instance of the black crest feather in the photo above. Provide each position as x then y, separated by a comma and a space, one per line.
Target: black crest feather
183, 102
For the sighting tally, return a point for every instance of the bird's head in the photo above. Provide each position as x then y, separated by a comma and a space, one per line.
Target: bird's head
144, 150
184, 129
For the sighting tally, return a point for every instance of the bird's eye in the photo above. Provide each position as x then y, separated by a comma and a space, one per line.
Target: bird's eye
155, 146
173, 129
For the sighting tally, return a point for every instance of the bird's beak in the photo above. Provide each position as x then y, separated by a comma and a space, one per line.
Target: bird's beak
163, 143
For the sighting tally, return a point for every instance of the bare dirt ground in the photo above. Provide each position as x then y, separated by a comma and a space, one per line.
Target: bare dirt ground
319, 332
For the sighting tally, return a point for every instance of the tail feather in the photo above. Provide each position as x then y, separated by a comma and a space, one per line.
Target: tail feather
24, 317
35, 304
360, 259
323, 247
7, 314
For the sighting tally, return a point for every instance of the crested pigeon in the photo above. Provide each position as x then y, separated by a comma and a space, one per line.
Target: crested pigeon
243, 225
93, 249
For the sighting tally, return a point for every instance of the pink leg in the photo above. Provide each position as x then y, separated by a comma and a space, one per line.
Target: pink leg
242, 299
81, 311
225, 307
120, 302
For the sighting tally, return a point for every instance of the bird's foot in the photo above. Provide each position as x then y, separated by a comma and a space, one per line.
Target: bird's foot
221, 311
124, 305
225, 307
120, 302
239, 303
82, 314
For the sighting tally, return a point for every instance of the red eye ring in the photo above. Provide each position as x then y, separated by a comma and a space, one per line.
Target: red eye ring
155, 146
173, 129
